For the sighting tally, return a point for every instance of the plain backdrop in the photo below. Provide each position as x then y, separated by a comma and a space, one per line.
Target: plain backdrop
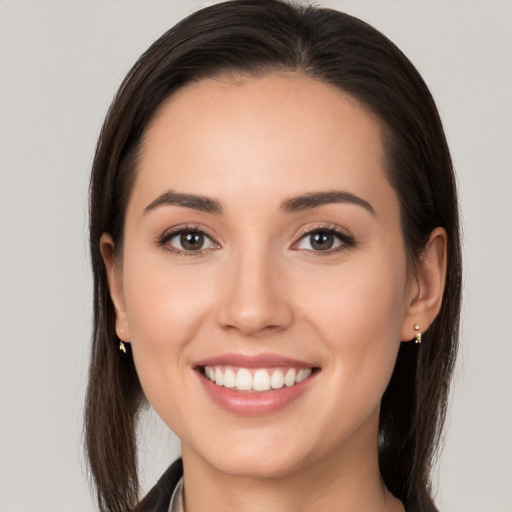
60, 64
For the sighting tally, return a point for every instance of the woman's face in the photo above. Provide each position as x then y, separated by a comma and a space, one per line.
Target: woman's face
263, 246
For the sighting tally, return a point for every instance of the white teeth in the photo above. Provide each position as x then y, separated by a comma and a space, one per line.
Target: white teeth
262, 379
219, 377
229, 378
277, 380
244, 380
289, 378
303, 374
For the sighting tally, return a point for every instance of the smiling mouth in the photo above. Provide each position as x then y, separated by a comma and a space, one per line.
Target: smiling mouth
256, 380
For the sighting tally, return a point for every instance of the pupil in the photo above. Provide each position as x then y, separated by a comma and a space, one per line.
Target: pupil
322, 241
192, 241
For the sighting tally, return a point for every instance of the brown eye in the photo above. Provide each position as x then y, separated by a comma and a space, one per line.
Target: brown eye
189, 241
324, 240
192, 241
321, 241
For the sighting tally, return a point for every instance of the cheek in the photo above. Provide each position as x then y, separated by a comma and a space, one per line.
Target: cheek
359, 315
165, 310
164, 298
366, 294
160, 309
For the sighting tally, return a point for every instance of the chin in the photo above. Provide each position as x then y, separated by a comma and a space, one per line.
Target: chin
256, 466
260, 458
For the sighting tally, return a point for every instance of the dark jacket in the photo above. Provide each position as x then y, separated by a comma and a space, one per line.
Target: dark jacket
159, 497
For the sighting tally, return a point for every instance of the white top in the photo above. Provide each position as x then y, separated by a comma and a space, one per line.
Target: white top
176, 504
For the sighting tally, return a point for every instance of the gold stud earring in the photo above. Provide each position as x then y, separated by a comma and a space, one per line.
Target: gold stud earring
122, 347
418, 334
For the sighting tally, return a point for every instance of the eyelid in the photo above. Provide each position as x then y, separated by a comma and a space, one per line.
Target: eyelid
346, 238
164, 239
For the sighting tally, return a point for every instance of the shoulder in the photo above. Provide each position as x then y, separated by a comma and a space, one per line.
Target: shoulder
159, 497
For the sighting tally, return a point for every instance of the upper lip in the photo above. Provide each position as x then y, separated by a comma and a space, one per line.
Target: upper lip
252, 361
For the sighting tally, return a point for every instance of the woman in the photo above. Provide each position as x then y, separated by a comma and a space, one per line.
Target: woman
276, 258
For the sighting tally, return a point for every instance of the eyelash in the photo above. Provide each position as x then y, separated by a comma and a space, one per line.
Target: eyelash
164, 240
347, 240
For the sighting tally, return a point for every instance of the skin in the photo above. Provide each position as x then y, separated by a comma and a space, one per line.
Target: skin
260, 287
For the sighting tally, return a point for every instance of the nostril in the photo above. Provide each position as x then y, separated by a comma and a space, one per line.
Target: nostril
253, 330
268, 319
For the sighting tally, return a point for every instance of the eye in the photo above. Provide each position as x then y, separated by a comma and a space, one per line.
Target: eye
187, 241
323, 240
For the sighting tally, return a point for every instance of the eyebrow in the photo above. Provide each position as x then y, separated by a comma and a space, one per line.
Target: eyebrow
194, 201
294, 204
315, 199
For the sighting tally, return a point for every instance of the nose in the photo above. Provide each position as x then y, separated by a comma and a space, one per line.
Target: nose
254, 301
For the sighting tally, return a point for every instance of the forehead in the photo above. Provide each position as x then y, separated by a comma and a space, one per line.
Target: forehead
275, 135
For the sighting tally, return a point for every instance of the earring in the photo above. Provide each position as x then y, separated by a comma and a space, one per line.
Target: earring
418, 334
122, 347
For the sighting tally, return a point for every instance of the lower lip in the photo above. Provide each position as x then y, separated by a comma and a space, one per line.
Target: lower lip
254, 403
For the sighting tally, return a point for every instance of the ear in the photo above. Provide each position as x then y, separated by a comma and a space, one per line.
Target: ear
115, 284
427, 285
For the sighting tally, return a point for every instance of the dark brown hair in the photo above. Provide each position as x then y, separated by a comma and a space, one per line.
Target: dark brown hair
253, 38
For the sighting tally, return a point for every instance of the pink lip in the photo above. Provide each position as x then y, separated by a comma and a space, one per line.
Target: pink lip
256, 361
251, 403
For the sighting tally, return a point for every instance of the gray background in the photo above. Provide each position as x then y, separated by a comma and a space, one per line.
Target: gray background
60, 64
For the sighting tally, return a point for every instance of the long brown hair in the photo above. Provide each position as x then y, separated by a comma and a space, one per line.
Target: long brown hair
253, 38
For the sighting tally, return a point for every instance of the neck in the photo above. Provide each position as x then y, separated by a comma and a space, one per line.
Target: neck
345, 480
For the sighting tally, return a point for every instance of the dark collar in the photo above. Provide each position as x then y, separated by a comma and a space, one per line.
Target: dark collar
159, 497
